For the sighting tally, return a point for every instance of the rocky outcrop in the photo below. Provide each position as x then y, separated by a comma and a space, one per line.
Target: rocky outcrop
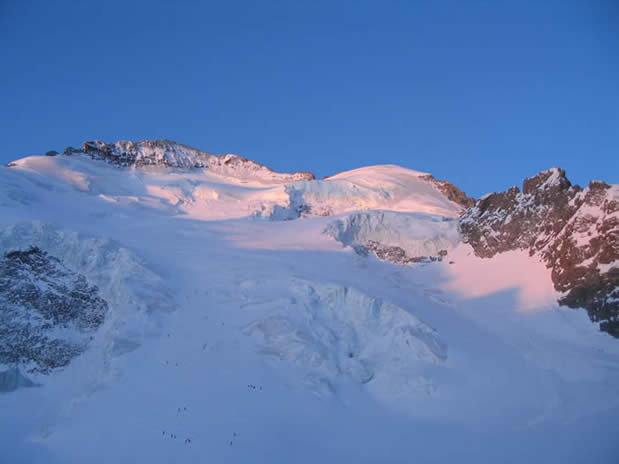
574, 231
452, 192
396, 254
46, 311
585, 256
526, 220
165, 153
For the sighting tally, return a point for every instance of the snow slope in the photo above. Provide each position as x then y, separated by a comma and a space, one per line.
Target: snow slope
238, 338
213, 194
386, 187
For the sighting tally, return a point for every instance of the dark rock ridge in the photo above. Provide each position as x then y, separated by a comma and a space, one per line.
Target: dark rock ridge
396, 254
47, 312
452, 192
574, 231
167, 153
525, 220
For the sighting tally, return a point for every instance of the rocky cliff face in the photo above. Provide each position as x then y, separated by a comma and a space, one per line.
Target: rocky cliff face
46, 311
397, 254
574, 231
452, 192
176, 155
526, 220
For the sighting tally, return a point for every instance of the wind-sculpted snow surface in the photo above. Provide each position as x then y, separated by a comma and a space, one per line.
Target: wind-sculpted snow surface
338, 331
399, 238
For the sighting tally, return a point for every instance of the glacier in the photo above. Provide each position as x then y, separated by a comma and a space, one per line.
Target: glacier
245, 324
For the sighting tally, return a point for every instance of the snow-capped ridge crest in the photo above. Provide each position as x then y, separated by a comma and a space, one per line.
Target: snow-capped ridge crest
167, 153
451, 191
373, 169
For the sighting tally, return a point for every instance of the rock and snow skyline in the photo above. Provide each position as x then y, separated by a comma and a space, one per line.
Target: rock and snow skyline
309, 232
242, 312
576, 231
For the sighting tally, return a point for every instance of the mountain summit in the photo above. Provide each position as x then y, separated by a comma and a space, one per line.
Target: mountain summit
211, 309
176, 155
574, 231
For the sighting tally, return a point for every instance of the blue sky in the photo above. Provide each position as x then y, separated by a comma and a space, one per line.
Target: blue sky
478, 93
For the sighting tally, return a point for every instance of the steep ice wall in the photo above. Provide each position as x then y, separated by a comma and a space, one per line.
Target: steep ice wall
397, 237
330, 331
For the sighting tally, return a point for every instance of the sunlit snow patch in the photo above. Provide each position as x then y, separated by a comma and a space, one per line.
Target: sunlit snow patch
474, 277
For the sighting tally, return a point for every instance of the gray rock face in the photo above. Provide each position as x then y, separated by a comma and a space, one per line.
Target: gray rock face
398, 255
525, 220
166, 153
574, 231
585, 256
46, 311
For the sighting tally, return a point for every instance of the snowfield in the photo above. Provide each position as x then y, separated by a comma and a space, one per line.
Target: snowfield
244, 325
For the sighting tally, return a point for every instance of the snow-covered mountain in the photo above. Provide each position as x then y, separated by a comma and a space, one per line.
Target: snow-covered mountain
574, 231
162, 304
175, 155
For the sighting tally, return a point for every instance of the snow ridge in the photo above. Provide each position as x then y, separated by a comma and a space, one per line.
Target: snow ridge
170, 154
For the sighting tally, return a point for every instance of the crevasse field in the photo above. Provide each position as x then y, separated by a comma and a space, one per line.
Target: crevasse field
242, 330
